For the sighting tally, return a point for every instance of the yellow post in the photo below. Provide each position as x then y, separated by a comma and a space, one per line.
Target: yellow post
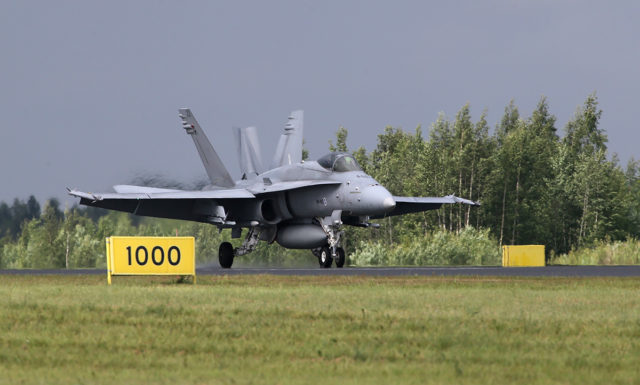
108, 241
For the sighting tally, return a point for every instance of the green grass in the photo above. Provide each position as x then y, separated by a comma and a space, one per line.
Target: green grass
282, 330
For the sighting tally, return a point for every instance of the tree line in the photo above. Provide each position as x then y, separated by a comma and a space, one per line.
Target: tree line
75, 238
536, 186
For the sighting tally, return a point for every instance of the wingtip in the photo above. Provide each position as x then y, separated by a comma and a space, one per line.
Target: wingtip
463, 201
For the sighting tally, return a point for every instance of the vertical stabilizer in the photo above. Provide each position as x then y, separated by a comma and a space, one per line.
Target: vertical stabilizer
248, 148
218, 174
289, 150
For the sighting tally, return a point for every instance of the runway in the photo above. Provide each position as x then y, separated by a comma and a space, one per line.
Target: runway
548, 271
486, 271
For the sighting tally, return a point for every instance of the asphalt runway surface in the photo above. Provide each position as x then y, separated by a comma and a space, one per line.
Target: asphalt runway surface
487, 271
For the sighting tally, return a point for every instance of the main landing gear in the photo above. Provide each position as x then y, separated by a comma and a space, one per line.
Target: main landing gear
326, 255
225, 255
226, 252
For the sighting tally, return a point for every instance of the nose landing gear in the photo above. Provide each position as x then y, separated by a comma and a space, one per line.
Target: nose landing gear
327, 254
340, 257
326, 258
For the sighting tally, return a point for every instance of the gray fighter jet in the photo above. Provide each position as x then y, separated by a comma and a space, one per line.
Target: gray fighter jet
299, 204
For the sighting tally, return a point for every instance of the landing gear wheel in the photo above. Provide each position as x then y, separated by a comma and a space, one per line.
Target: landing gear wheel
339, 257
225, 255
325, 258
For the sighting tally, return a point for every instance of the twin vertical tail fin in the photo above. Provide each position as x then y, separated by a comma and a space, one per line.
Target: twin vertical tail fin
248, 148
218, 174
289, 150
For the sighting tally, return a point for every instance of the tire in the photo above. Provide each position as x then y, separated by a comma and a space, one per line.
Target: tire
340, 257
325, 258
225, 255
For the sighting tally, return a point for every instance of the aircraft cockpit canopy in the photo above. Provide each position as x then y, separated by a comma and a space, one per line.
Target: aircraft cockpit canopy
339, 162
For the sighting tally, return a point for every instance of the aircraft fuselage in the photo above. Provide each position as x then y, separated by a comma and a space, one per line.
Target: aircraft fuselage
353, 192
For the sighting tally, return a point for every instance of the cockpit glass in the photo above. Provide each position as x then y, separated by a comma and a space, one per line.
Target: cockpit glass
346, 163
339, 162
327, 161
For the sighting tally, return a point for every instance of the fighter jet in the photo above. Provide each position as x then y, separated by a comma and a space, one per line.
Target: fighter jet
299, 204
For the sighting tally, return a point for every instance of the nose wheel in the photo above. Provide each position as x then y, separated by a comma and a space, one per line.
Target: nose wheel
325, 259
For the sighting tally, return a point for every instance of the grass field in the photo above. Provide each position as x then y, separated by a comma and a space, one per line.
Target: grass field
282, 330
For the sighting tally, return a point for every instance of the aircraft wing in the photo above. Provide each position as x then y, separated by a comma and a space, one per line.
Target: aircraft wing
203, 205
200, 206
406, 205
168, 194
125, 188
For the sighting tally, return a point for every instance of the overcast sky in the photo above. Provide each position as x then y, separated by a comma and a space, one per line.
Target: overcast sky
89, 90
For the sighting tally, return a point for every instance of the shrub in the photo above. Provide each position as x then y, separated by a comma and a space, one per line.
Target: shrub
603, 253
470, 247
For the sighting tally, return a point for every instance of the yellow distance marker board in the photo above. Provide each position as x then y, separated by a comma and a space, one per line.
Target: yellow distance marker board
151, 256
523, 255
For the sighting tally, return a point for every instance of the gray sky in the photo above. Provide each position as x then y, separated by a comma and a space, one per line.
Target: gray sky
89, 91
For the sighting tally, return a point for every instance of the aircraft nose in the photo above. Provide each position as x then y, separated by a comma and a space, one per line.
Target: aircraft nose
389, 203
375, 200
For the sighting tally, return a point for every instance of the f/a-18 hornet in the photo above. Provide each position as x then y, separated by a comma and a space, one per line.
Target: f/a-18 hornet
299, 204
